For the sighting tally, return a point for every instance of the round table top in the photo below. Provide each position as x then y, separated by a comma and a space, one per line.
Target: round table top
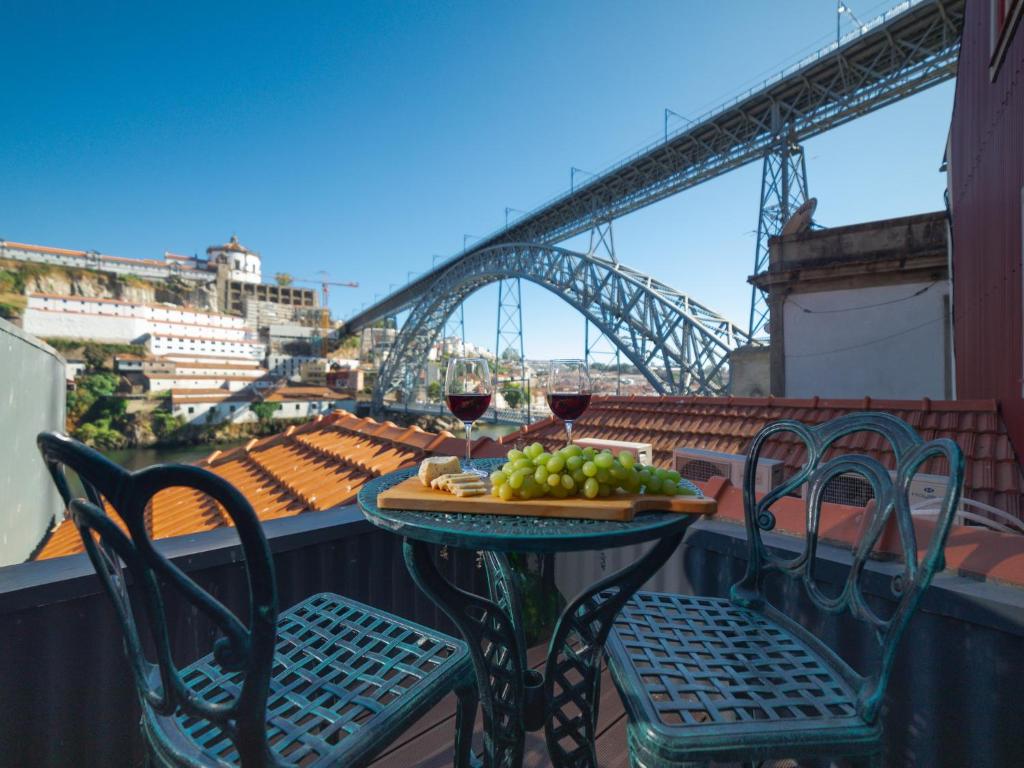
514, 533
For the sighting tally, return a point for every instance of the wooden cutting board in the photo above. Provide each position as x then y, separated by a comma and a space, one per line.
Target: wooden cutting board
412, 495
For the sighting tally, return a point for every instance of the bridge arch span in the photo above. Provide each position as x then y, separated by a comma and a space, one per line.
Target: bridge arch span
677, 344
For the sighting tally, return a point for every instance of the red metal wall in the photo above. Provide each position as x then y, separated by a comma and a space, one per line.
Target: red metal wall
987, 173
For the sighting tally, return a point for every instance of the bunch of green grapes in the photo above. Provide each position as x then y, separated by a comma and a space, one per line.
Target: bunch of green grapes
573, 471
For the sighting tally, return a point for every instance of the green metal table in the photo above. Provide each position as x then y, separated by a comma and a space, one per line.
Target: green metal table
563, 700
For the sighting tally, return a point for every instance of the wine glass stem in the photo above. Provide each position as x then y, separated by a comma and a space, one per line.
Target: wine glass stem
469, 444
568, 432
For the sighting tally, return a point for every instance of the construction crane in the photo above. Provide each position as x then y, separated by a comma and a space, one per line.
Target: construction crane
325, 312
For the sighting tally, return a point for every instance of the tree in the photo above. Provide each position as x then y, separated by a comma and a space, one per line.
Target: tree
95, 356
513, 394
88, 390
165, 425
265, 411
284, 279
434, 391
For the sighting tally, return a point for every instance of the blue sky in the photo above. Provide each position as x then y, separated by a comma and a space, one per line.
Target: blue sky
362, 138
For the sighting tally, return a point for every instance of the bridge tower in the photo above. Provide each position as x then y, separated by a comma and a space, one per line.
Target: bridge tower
455, 326
509, 336
783, 190
597, 347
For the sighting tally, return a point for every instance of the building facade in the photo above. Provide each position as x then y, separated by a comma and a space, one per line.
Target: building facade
185, 267
80, 317
244, 265
236, 272
212, 406
986, 199
33, 386
857, 311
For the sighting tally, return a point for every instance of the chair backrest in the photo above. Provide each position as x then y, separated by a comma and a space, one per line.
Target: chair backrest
892, 500
245, 648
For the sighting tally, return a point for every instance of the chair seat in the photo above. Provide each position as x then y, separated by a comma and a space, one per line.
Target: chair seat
702, 678
341, 670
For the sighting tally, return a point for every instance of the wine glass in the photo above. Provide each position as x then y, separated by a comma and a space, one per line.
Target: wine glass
467, 390
568, 391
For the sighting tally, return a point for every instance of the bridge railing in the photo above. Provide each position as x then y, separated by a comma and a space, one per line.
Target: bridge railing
706, 116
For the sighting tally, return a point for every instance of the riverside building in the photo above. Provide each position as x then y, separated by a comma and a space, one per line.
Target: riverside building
165, 329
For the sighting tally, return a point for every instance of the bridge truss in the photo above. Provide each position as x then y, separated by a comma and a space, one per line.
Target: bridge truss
907, 50
679, 345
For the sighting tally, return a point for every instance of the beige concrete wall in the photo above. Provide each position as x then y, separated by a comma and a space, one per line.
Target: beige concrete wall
750, 371
879, 341
32, 399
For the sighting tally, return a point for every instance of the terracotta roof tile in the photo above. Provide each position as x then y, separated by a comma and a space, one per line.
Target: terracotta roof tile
993, 475
313, 467
323, 463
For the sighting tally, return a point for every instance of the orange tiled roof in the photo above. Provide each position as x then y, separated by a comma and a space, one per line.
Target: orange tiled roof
727, 424
42, 248
301, 393
313, 467
196, 396
238, 361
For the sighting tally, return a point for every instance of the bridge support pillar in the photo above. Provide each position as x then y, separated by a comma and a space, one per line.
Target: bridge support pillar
510, 355
783, 190
455, 327
598, 348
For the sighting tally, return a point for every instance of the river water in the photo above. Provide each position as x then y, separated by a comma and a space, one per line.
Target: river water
137, 458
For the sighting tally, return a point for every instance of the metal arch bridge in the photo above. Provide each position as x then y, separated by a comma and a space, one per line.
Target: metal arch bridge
907, 50
678, 344
911, 48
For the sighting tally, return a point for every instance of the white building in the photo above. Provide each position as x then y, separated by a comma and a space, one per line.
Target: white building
288, 366
245, 265
166, 382
172, 265
164, 327
161, 374
165, 345
191, 357
213, 406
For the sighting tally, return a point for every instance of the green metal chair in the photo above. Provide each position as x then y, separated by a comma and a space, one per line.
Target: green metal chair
327, 682
712, 679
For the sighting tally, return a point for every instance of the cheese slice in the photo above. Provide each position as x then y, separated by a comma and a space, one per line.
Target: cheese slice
446, 482
477, 489
436, 466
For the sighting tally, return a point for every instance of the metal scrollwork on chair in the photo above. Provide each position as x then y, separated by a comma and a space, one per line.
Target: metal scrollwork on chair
329, 681
245, 649
714, 679
891, 496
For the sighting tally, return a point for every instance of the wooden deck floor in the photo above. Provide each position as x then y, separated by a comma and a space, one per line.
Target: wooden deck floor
428, 744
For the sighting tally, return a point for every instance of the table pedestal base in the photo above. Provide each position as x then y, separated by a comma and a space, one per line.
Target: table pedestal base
514, 699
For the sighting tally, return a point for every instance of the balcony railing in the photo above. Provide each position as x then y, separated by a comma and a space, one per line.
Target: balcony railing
67, 697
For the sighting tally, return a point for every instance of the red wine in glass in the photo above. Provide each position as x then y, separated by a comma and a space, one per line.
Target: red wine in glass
568, 391
467, 391
568, 406
468, 407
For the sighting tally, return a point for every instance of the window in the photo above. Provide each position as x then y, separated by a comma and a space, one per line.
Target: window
191, 409
1004, 16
